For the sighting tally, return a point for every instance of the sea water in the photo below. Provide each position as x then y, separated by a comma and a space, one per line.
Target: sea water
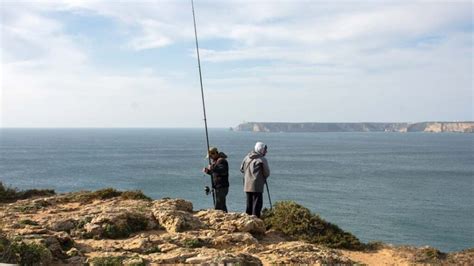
400, 188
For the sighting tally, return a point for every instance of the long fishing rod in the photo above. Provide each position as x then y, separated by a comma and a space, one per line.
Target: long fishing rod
203, 103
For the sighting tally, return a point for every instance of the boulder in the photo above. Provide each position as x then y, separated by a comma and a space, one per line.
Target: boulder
173, 204
177, 220
62, 225
232, 222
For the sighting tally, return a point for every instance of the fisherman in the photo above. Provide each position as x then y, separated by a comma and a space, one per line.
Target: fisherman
256, 171
219, 170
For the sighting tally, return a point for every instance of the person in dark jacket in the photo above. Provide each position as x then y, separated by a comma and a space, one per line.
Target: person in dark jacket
219, 170
256, 171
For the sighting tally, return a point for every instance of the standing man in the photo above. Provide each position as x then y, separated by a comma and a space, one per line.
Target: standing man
256, 171
219, 170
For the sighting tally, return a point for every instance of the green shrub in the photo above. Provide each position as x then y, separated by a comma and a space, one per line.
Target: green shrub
124, 226
429, 255
106, 193
30, 193
83, 222
9, 194
32, 207
298, 222
107, 261
6, 253
116, 231
194, 243
135, 195
374, 245
28, 222
27, 254
154, 249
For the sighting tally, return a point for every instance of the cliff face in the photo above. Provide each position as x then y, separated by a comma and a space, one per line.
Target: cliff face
71, 229
436, 127
112, 229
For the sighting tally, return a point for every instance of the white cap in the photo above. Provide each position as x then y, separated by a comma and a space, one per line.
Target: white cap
260, 147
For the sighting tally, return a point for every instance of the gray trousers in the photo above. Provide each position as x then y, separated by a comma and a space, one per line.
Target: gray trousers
221, 193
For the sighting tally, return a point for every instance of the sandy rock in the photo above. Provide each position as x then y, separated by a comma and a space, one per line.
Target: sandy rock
176, 220
62, 225
136, 244
133, 261
300, 252
76, 260
167, 247
32, 231
234, 239
55, 247
73, 252
133, 231
179, 255
224, 258
232, 222
94, 229
173, 204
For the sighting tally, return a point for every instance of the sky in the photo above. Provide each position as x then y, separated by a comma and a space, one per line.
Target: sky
133, 63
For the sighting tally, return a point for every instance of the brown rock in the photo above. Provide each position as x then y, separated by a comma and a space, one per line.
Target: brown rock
176, 220
62, 225
232, 222
173, 204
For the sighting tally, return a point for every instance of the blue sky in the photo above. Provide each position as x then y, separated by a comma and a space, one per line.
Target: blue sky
133, 64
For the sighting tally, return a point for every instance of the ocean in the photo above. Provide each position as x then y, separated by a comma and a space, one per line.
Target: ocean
399, 188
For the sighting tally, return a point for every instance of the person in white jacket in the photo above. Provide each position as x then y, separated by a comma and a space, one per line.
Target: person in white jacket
256, 171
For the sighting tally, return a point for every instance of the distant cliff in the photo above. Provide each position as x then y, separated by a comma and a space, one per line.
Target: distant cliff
461, 127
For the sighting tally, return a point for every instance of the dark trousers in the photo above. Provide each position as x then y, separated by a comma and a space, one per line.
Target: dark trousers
221, 193
254, 203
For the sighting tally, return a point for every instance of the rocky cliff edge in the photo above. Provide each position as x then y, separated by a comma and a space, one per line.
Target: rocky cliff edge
126, 229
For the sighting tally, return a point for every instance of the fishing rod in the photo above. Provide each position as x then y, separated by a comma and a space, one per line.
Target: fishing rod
203, 103
268, 192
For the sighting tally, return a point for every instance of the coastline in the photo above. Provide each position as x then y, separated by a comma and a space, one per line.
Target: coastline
128, 228
404, 127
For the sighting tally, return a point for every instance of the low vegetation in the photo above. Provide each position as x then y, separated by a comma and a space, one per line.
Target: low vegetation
106, 193
19, 252
194, 243
9, 194
298, 222
107, 261
122, 227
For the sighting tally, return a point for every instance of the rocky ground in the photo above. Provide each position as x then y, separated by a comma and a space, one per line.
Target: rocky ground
78, 228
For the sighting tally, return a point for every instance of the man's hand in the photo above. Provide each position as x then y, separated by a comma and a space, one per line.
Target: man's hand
206, 170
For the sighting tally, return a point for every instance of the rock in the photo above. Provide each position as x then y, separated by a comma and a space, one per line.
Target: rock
234, 239
133, 261
73, 252
137, 244
223, 258
175, 256
232, 222
32, 231
298, 252
173, 204
94, 229
167, 247
54, 246
76, 260
177, 221
132, 232
62, 225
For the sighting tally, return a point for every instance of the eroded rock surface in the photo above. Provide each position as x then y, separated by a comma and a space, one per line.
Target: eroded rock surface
77, 229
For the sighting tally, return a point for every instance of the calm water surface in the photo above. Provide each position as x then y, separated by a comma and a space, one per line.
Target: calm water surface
399, 188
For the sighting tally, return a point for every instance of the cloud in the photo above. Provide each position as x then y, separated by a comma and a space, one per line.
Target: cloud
293, 61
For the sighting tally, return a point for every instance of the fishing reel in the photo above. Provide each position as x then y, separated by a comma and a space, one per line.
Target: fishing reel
207, 190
